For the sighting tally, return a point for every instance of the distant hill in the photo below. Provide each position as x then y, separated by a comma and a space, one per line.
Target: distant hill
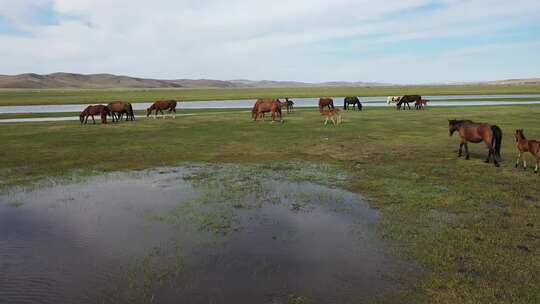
104, 81
95, 81
524, 81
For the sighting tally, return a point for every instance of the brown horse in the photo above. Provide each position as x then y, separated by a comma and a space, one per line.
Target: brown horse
406, 99
119, 108
161, 105
420, 104
95, 110
265, 105
330, 114
526, 145
477, 132
326, 102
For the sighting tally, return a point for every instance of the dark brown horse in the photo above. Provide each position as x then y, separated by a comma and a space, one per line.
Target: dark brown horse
161, 105
326, 102
95, 110
119, 108
478, 132
288, 104
265, 105
527, 145
352, 100
406, 99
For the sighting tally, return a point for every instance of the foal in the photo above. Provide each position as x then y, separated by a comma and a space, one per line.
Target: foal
525, 145
330, 113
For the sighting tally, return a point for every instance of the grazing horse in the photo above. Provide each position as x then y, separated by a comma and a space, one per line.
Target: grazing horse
477, 132
265, 105
118, 108
406, 99
391, 99
287, 104
527, 145
420, 104
352, 100
330, 114
326, 102
161, 105
95, 110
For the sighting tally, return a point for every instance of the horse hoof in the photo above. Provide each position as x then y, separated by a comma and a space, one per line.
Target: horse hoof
497, 165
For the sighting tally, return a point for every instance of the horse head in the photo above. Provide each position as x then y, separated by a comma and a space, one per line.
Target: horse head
452, 126
519, 135
148, 111
81, 117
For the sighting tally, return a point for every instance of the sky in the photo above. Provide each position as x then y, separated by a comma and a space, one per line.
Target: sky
402, 41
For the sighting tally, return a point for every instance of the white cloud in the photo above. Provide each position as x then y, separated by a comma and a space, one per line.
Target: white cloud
280, 39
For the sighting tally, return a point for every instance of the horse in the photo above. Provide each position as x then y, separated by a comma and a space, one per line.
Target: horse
420, 104
94, 110
287, 104
477, 132
352, 100
326, 102
405, 99
330, 113
527, 145
118, 108
264, 105
161, 105
391, 99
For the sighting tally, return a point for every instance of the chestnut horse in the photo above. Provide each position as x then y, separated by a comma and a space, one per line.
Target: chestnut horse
326, 102
352, 100
526, 145
420, 104
265, 105
95, 110
477, 132
330, 114
161, 105
118, 108
404, 100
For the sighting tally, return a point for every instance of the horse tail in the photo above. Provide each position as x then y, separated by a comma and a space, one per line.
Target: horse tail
497, 141
131, 111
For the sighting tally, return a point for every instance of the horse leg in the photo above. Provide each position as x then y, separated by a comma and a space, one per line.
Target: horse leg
537, 161
520, 155
326, 120
93, 119
460, 149
466, 151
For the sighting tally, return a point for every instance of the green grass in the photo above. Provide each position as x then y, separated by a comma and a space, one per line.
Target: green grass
474, 228
74, 96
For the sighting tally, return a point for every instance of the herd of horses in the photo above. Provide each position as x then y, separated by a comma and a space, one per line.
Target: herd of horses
117, 109
469, 131
405, 100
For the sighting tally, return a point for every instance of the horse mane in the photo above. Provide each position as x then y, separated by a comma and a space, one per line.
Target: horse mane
520, 133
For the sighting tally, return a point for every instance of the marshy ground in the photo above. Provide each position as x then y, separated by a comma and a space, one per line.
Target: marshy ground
467, 231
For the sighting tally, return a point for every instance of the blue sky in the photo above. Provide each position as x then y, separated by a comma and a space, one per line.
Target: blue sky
407, 41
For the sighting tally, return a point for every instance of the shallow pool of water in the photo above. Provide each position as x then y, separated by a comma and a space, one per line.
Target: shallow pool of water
193, 234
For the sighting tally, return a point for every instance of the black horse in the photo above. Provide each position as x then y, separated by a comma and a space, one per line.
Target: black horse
406, 99
352, 100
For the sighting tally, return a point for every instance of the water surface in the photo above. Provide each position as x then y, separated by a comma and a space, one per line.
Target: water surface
194, 234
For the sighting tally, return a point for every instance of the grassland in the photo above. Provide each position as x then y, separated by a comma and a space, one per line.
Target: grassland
73, 96
474, 228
